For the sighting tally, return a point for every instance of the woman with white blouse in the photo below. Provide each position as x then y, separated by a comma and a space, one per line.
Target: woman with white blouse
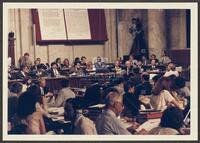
162, 97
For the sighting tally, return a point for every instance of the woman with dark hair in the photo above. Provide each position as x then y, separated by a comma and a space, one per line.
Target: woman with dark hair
32, 117
171, 122
131, 100
40, 99
155, 79
66, 63
153, 61
14, 94
162, 97
82, 124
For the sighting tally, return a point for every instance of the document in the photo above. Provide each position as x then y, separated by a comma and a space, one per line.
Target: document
52, 24
77, 23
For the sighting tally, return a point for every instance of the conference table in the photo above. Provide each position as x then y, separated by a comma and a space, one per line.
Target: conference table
82, 81
53, 83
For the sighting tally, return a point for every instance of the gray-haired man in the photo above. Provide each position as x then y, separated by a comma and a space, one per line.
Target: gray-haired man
107, 122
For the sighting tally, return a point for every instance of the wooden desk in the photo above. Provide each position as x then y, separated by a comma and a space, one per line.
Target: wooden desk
75, 82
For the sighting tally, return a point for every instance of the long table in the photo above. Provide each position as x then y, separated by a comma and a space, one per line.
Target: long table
54, 82
80, 81
75, 82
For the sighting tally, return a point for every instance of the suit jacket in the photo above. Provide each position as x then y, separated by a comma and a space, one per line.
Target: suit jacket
34, 67
129, 70
132, 104
100, 65
52, 72
21, 75
84, 125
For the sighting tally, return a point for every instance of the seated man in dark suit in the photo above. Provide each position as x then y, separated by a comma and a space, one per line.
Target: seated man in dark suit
59, 63
23, 72
40, 72
53, 71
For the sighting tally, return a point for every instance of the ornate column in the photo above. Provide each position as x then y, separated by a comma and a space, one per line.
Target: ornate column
156, 32
110, 50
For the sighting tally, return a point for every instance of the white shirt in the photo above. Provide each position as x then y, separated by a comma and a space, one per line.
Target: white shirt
24, 88
55, 71
42, 90
84, 125
63, 95
108, 123
168, 73
161, 101
23, 73
163, 131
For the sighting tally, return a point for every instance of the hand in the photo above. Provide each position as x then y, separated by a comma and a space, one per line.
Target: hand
134, 126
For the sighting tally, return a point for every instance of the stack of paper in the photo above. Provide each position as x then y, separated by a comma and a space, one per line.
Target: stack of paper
148, 125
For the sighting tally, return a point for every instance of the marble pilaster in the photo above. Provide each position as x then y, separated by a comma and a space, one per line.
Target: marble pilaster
156, 32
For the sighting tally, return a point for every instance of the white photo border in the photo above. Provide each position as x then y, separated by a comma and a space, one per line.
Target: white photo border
193, 6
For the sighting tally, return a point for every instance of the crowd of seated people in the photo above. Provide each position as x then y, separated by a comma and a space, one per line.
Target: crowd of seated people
81, 67
28, 102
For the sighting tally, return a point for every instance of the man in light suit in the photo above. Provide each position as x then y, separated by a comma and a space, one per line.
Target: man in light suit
25, 60
99, 64
64, 94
